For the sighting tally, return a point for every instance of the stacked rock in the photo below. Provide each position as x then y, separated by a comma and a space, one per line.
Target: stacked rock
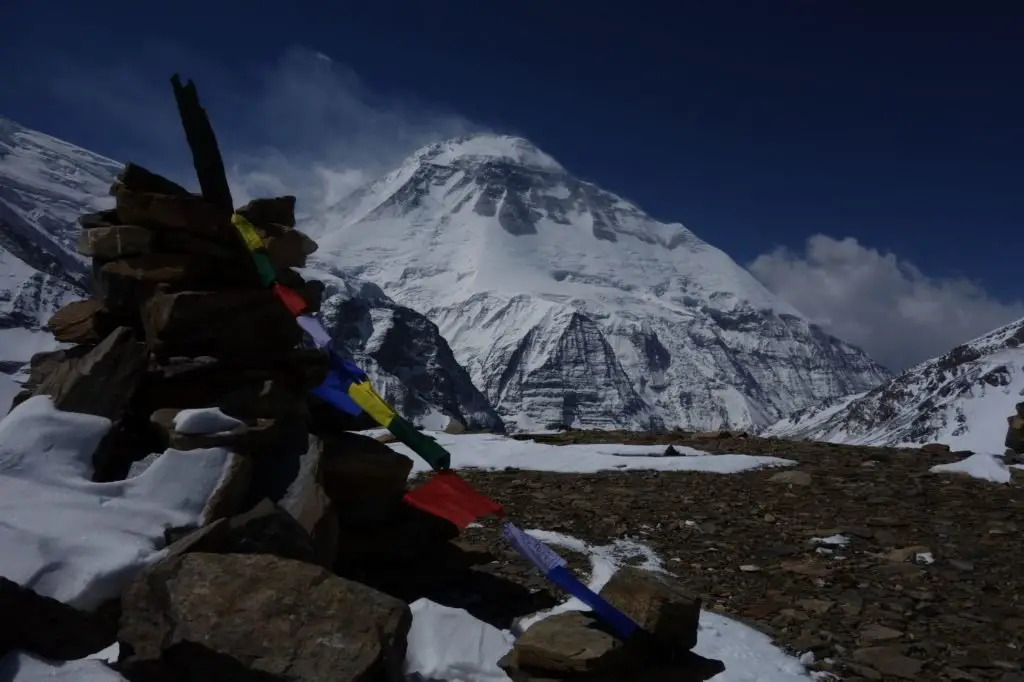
180, 319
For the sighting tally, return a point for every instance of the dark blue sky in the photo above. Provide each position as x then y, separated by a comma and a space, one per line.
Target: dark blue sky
755, 123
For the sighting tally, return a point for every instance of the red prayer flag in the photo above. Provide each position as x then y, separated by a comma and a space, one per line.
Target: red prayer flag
290, 298
448, 496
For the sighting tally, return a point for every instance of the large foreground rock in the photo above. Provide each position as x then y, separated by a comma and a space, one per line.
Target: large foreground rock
218, 617
102, 381
658, 604
575, 646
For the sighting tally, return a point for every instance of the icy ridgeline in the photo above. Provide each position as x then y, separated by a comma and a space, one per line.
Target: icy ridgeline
184, 350
46, 183
960, 399
570, 306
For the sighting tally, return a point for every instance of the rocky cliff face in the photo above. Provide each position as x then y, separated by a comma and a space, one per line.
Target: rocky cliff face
404, 354
960, 398
569, 305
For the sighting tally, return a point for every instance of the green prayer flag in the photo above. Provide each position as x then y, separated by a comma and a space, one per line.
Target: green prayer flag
264, 268
423, 445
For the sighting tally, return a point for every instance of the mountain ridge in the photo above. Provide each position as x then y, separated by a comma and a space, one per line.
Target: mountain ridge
961, 398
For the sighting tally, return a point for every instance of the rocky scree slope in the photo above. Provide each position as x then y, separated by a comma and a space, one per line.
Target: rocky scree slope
859, 555
570, 306
960, 398
45, 184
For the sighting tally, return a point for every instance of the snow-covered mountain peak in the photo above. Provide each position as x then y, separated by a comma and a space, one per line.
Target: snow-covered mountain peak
487, 148
45, 183
468, 226
535, 276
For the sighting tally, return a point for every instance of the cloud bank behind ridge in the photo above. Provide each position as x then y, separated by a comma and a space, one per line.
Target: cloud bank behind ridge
874, 300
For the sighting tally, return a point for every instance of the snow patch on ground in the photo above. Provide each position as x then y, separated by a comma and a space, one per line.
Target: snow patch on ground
451, 645
983, 466
489, 451
77, 541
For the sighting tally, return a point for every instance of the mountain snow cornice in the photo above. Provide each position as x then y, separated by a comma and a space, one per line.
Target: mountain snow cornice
569, 305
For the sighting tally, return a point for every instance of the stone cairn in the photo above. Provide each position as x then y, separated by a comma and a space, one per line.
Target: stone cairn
310, 516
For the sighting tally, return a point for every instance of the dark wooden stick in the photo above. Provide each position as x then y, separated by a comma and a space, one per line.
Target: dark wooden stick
213, 181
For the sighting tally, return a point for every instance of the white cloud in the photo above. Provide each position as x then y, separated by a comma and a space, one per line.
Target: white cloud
874, 300
303, 125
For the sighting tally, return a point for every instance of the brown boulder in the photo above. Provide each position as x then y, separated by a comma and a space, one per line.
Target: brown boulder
184, 271
244, 391
657, 603
102, 381
307, 502
264, 529
890, 661
252, 617
1015, 432
107, 218
176, 241
363, 477
575, 646
188, 213
222, 324
85, 322
402, 537
138, 179
232, 491
565, 644
290, 249
41, 365
118, 241
280, 210
934, 449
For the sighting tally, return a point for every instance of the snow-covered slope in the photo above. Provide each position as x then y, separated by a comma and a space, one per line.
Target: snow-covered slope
961, 398
569, 305
45, 184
